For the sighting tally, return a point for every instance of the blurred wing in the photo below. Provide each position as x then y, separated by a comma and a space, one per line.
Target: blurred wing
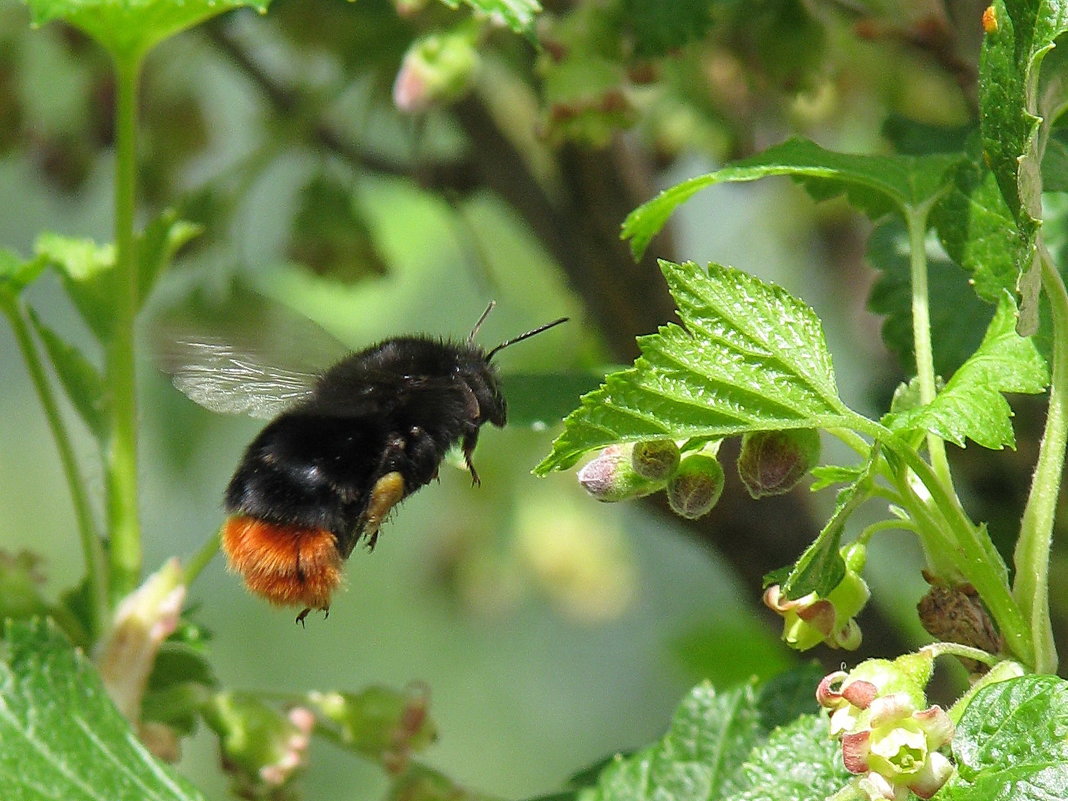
224, 379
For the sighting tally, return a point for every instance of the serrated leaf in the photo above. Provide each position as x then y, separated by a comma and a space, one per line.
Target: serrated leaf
80, 379
1012, 101
62, 737
751, 358
977, 229
820, 568
971, 406
660, 27
798, 762
87, 272
702, 755
958, 317
876, 185
1011, 743
129, 28
516, 14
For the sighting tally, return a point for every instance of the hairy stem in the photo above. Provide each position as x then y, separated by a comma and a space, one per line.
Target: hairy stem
121, 454
1031, 558
95, 565
921, 331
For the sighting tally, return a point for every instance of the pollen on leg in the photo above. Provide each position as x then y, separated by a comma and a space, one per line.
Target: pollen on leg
387, 492
287, 565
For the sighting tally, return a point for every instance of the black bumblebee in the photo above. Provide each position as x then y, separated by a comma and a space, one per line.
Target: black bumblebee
346, 447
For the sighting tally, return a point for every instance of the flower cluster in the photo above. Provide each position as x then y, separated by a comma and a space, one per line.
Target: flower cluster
890, 736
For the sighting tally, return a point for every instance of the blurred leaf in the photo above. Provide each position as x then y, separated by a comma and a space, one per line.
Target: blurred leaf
1055, 162
86, 268
727, 653
516, 14
80, 379
876, 185
16, 273
129, 28
789, 41
179, 685
156, 246
330, 236
914, 138
958, 317
751, 358
659, 27
62, 736
1012, 743
971, 406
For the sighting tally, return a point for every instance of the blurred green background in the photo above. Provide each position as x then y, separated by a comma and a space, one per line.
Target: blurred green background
551, 630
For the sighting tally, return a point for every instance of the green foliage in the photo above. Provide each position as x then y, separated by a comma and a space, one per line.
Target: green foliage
737, 366
876, 185
63, 738
731, 744
971, 405
130, 28
1012, 743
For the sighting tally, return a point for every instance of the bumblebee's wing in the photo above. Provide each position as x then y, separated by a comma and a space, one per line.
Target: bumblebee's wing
225, 379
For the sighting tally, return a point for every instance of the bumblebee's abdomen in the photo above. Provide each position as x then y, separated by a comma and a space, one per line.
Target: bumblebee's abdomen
287, 565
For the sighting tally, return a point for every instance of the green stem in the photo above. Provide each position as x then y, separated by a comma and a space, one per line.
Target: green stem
916, 220
949, 536
121, 456
1031, 587
95, 565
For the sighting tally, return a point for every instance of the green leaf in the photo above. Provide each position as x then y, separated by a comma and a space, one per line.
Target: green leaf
704, 754
517, 14
88, 276
876, 185
977, 230
16, 273
81, 380
1011, 743
62, 737
821, 568
798, 762
129, 28
971, 405
660, 27
751, 358
156, 246
1012, 101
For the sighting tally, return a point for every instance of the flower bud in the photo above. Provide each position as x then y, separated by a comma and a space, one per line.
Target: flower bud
381, 723
20, 586
696, 486
655, 459
261, 747
611, 476
143, 620
772, 462
438, 69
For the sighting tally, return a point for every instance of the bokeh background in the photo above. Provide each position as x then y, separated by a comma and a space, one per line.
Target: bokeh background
551, 630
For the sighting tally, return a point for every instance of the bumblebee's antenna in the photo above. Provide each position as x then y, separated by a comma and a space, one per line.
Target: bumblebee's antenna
521, 337
481, 320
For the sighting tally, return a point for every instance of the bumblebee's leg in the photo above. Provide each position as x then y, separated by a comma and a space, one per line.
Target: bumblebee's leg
469, 441
387, 492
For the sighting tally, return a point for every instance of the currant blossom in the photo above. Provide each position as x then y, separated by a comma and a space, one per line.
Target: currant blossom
811, 619
890, 737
